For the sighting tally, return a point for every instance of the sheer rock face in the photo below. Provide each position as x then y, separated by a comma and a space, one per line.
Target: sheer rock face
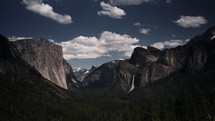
19, 79
10, 63
47, 58
187, 59
141, 56
101, 77
151, 65
123, 76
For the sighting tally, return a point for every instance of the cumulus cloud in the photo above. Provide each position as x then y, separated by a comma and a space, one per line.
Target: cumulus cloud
191, 21
144, 30
116, 42
128, 2
111, 11
37, 6
169, 44
83, 47
92, 47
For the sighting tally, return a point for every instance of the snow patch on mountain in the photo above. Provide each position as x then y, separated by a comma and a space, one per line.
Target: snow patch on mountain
81, 73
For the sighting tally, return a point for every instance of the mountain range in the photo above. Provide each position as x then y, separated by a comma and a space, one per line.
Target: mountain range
151, 65
37, 83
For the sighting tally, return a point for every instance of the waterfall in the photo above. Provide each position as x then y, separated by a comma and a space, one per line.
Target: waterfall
132, 85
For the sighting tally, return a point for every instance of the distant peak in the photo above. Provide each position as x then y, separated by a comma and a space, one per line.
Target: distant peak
76, 69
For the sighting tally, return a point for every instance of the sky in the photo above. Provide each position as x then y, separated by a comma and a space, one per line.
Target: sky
93, 32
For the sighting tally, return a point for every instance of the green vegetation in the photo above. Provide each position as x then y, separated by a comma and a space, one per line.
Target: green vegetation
188, 106
33, 99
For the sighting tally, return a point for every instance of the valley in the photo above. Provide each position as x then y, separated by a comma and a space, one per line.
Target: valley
175, 84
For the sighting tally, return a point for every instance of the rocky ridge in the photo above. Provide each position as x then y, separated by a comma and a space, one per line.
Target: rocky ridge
151, 65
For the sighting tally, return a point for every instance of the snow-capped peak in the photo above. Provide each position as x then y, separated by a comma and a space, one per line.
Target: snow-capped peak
76, 69
81, 73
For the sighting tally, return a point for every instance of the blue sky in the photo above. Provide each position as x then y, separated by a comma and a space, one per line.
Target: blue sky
93, 32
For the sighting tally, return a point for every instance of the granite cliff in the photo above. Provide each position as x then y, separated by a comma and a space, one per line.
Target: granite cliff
19, 79
24, 93
150, 65
47, 58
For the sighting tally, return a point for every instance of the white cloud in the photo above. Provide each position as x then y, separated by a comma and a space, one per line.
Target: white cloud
128, 2
37, 6
117, 42
144, 31
169, 44
158, 45
92, 47
111, 11
174, 43
51, 40
168, 1
83, 47
191, 21
13, 38
137, 24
